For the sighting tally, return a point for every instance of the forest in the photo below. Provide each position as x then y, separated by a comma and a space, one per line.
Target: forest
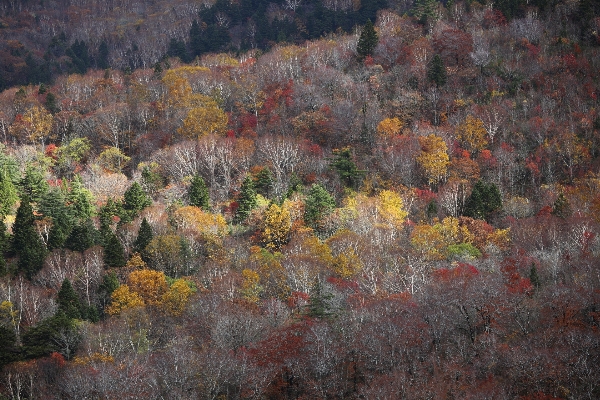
299, 199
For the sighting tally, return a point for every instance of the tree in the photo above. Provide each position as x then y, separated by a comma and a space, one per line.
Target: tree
114, 253
202, 121
484, 200
82, 236
27, 243
436, 72
34, 184
198, 193
135, 200
318, 205
144, 237
263, 181
68, 300
346, 168
472, 134
434, 157
8, 194
246, 200
123, 298
80, 199
277, 224
367, 41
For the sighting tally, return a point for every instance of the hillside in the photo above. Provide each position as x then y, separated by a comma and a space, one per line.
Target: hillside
405, 207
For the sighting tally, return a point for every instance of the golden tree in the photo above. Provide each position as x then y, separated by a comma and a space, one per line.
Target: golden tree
434, 157
122, 298
472, 134
150, 285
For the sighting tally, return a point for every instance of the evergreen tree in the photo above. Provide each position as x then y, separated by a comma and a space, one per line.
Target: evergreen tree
246, 200
424, 9
561, 207
144, 237
534, 277
4, 246
110, 282
80, 199
198, 193
263, 181
9, 351
368, 41
53, 205
437, 71
107, 212
484, 200
114, 253
34, 184
68, 300
102, 62
318, 204
319, 305
58, 333
83, 236
8, 194
135, 200
26, 243
342, 162
294, 186
51, 104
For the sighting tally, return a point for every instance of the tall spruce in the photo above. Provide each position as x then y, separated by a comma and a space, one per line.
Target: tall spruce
246, 200
318, 204
198, 193
485, 199
27, 243
143, 238
436, 73
8, 193
114, 253
367, 41
68, 300
135, 200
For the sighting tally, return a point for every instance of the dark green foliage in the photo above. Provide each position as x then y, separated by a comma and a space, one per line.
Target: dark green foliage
9, 351
368, 41
114, 253
80, 60
320, 302
68, 300
436, 72
51, 104
484, 200
534, 277
177, 49
110, 282
102, 61
34, 184
347, 170
318, 205
83, 236
53, 205
135, 200
143, 238
294, 186
263, 181
246, 200
198, 193
108, 212
58, 333
152, 180
80, 200
26, 242
432, 210
8, 193
4, 246
561, 207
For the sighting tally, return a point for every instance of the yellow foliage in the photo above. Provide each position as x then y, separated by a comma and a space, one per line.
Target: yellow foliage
207, 119
251, 288
432, 241
472, 134
123, 299
8, 314
135, 262
93, 358
204, 223
150, 285
500, 238
113, 159
391, 208
347, 264
277, 224
434, 157
176, 298
390, 127
38, 122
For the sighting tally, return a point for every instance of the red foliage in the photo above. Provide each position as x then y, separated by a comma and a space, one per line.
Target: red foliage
50, 150
462, 270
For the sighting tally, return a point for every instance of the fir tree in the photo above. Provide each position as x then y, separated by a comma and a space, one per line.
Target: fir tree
318, 204
349, 173
368, 41
437, 71
534, 277
263, 181
68, 301
8, 194
143, 238
114, 253
27, 244
319, 305
246, 200
561, 207
198, 193
110, 282
33, 184
53, 205
4, 245
484, 200
80, 199
135, 200
83, 236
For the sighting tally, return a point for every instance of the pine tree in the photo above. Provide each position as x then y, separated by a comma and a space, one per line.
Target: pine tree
198, 193
80, 199
68, 300
561, 207
263, 181
33, 184
437, 71
53, 205
8, 194
26, 243
368, 41
484, 200
144, 237
534, 277
110, 282
83, 236
135, 200
318, 204
349, 173
114, 253
246, 200
319, 305
4, 245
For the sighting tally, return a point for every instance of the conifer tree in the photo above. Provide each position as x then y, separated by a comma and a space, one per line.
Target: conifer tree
368, 41
8, 193
114, 253
318, 204
246, 200
27, 244
198, 193
319, 305
264, 181
437, 71
53, 205
33, 184
4, 245
135, 200
484, 200
68, 301
83, 236
80, 199
144, 237
349, 173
